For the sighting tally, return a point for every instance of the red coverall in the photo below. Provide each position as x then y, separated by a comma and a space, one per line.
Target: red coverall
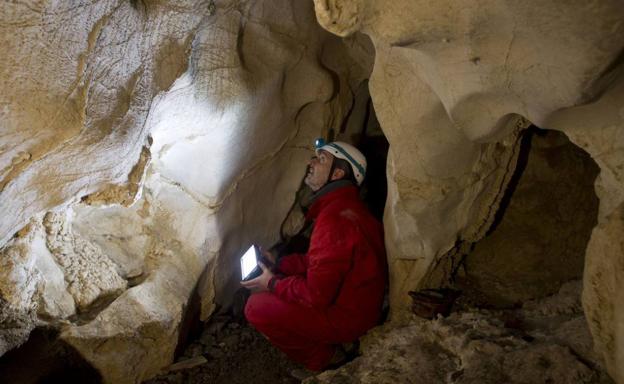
332, 294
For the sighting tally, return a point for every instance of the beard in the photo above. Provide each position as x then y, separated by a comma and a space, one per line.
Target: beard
312, 179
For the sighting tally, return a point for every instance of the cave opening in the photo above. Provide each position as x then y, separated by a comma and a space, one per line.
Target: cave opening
525, 277
45, 359
538, 239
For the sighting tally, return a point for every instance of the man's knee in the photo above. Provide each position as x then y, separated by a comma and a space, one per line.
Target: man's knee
256, 308
251, 309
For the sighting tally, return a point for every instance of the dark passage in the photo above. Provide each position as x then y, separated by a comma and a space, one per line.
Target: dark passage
45, 359
541, 231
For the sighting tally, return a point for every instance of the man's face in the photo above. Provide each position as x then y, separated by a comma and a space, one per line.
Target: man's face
318, 170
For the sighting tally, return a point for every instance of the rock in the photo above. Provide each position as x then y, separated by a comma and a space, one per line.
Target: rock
230, 342
113, 136
187, 364
135, 336
215, 326
31, 285
177, 378
194, 350
216, 353
468, 347
207, 339
89, 273
233, 325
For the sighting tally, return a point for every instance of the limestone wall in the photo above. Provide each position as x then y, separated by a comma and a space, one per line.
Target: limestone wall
449, 78
165, 137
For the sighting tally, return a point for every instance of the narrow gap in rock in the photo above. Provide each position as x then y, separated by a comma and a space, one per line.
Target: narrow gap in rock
54, 360
523, 159
542, 228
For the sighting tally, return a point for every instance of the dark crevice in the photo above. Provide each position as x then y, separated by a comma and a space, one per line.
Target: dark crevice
239, 44
86, 315
521, 163
44, 359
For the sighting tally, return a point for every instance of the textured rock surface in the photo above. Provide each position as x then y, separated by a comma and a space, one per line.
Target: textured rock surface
32, 287
90, 275
150, 129
546, 342
77, 84
463, 70
603, 264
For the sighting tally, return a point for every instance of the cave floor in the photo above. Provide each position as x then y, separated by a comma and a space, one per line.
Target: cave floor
229, 351
544, 341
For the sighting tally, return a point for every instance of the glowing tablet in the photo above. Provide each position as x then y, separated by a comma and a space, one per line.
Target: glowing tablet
249, 262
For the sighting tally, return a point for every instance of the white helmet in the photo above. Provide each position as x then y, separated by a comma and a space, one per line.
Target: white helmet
349, 153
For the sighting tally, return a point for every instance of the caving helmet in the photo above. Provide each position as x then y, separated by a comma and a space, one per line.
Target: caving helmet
346, 152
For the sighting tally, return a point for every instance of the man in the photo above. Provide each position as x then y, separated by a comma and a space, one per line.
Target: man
310, 303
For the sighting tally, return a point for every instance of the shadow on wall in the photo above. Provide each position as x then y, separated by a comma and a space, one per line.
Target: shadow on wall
54, 360
370, 139
542, 228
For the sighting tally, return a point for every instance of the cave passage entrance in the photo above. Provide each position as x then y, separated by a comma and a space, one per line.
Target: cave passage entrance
539, 237
362, 128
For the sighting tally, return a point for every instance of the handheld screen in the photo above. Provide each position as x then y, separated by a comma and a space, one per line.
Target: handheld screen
248, 262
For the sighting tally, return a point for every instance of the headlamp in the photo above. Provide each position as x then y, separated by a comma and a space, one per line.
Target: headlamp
319, 143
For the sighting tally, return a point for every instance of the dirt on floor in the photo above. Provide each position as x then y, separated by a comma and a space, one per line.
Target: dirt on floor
229, 351
544, 341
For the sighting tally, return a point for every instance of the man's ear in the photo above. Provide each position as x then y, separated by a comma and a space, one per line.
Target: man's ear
338, 174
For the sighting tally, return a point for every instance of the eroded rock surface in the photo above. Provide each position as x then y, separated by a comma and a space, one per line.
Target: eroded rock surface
150, 131
547, 341
89, 273
33, 286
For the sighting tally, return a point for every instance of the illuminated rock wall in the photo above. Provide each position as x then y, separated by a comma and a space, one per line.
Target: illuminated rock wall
165, 137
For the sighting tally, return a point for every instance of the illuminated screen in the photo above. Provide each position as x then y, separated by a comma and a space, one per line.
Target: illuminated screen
248, 262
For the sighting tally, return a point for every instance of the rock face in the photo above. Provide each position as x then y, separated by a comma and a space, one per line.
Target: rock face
145, 130
449, 78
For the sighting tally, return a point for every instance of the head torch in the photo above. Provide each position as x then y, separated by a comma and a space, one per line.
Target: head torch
319, 143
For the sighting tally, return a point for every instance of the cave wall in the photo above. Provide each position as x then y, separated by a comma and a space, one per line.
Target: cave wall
136, 138
449, 80
137, 134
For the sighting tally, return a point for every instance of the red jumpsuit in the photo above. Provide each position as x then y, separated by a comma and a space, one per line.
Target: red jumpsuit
332, 294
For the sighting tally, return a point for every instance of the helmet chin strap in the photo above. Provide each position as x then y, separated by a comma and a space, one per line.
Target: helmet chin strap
331, 172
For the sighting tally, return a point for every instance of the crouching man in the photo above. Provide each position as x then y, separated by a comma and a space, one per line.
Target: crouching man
311, 303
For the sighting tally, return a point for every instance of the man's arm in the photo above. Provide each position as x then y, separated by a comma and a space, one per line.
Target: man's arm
293, 264
329, 259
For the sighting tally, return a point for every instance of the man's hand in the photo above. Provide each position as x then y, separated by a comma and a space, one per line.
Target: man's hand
268, 255
260, 283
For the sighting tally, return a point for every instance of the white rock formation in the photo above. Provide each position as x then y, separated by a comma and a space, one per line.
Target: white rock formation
32, 286
166, 136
